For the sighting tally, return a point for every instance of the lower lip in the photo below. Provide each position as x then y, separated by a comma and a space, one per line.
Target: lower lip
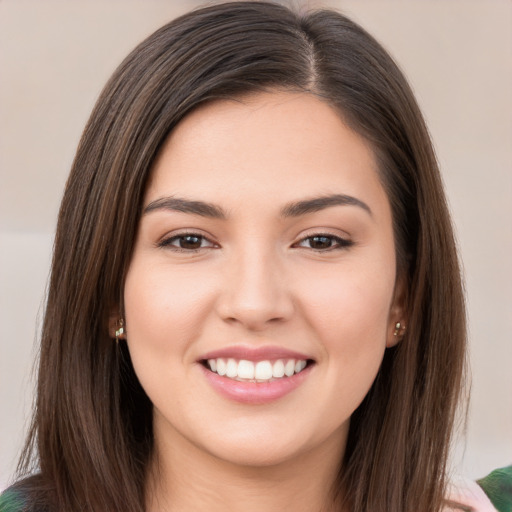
255, 392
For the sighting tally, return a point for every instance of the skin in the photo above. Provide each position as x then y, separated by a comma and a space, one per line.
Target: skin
258, 279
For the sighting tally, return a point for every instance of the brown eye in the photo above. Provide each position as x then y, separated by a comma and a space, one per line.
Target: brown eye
190, 242
321, 242
324, 242
186, 242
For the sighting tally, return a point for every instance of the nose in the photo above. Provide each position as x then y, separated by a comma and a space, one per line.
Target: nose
256, 292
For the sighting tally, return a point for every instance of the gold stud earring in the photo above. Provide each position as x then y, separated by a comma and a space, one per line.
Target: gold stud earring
120, 331
399, 329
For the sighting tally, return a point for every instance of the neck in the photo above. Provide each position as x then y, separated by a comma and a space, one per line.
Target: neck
187, 479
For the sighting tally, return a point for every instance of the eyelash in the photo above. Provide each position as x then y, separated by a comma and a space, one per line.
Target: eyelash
167, 242
340, 243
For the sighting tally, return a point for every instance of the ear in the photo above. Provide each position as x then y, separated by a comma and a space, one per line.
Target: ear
397, 322
116, 325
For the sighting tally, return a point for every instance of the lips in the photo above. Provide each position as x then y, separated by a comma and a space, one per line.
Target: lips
255, 375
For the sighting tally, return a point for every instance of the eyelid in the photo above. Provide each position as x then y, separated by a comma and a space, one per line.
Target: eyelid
340, 241
165, 241
343, 241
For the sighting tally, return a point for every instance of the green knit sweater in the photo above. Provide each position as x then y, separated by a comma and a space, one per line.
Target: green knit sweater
497, 486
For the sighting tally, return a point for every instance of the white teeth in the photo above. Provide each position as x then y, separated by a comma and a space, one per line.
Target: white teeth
221, 367
246, 369
278, 369
299, 366
232, 369
261, 371
289, 367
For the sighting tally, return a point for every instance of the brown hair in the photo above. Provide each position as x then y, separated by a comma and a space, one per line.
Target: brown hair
92, 426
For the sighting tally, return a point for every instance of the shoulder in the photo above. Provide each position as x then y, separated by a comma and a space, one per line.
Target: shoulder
490, 494
26, 495
12, 500
498, 486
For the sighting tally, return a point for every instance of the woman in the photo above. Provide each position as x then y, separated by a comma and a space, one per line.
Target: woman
255, 298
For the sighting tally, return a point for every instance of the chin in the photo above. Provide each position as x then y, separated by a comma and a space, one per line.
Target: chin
257, 455
260, 447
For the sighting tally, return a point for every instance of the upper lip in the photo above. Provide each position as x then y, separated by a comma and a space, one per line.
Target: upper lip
254, 353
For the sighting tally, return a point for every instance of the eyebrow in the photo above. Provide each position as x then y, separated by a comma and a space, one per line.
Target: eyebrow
294, 209
186, 206
298, 208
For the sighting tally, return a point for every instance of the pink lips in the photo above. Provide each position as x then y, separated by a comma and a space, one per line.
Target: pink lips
254, 392
254, 353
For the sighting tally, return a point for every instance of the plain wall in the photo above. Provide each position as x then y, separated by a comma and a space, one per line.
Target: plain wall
56, 55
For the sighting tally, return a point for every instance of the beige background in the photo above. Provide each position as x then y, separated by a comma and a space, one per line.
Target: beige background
56, 55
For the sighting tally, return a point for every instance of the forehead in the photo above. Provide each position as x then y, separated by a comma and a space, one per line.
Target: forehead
269, 147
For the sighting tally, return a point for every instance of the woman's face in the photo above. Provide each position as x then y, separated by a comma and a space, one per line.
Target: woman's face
261, 293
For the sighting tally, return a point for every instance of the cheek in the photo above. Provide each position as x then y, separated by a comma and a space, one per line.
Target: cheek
348, 309
165, 312
348, 299
164, 309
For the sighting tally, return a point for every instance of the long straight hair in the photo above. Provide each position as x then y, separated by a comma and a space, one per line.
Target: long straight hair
91, 438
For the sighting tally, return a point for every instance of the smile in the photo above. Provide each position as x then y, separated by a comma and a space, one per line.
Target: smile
244, 370
255, 375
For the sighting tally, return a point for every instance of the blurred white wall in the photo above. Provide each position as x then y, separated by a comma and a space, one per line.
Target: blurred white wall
56, 55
